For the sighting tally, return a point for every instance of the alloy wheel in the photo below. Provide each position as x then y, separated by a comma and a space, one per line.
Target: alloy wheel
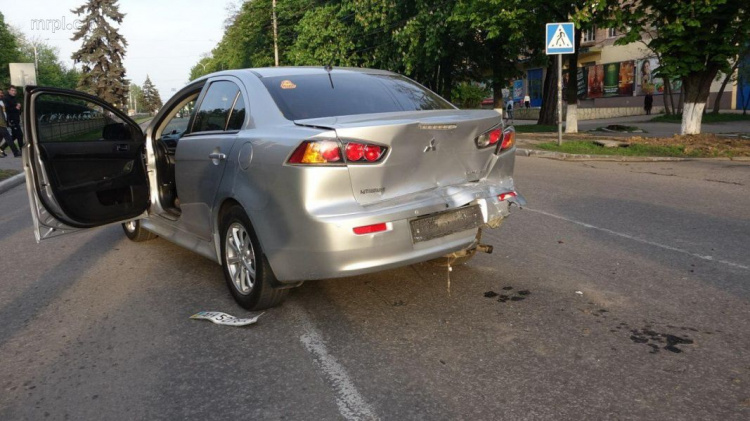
240, 258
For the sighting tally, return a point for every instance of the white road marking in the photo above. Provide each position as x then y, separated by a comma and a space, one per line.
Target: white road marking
350, 402
641, 240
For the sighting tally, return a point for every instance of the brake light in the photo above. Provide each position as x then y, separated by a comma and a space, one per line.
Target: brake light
355, 151
370, 229
509, 139
317, 152
508, 195
489, 138
373, 152
364, 152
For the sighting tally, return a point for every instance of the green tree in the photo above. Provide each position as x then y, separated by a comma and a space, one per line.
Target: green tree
151, 97
9, 52
51, 70
248, 37
102, 51
135, 98
322, 39
718, 27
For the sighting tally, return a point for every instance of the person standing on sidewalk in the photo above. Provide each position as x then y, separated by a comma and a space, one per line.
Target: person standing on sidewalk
509, 108
13, 111
648, 102
5, 137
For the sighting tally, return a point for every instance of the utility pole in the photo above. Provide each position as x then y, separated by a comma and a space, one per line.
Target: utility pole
275, 35
34, 42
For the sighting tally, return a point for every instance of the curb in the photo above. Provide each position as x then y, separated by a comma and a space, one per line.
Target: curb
574, 157
12, 182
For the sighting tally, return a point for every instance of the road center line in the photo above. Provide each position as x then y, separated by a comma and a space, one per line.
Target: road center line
350, 402
640, 240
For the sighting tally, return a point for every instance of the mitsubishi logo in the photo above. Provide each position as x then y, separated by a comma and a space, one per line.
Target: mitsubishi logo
431, 146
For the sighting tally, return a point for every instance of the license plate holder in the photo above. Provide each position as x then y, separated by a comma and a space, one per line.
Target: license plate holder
445, 223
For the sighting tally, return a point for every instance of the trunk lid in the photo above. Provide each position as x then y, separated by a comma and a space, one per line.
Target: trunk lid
426, 150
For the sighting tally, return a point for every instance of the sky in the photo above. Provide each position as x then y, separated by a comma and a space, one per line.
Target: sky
165, 38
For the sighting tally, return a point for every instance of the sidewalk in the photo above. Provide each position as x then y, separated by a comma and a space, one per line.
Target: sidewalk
650, 129
11, 163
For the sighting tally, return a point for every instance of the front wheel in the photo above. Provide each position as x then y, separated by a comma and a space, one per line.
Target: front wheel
135, 232
246, 270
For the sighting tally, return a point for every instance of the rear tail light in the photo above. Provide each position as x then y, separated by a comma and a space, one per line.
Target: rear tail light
371, 229
504, 196
357, 152
509, 139
489, 138
317, 152
505, 138
328, 152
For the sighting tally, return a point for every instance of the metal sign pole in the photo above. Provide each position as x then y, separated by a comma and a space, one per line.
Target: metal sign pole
559, 100
559, 40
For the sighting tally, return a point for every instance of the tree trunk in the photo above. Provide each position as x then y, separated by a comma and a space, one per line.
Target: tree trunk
446, 74
665, 97
549, 94
571, 93
695, 89
717, 102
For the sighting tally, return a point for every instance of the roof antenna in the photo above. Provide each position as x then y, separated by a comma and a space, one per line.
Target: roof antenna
328, 69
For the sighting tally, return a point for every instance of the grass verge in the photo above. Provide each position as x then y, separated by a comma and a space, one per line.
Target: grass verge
7, 174
707, 118
590, 148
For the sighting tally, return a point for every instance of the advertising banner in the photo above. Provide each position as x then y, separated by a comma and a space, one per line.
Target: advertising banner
595, 78
626, 78
582, 83
611, 79
518, 90
646, 81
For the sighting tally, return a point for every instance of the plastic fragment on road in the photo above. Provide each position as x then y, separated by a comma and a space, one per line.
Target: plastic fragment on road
220, 318
579, 292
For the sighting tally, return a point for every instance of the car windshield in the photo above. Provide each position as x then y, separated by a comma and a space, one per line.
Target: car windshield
336, 94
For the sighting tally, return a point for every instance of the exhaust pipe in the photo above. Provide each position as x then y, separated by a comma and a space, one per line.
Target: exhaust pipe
485, 248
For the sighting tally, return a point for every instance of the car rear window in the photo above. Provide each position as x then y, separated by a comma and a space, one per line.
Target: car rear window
336, 94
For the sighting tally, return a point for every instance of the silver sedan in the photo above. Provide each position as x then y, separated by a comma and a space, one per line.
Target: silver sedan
280, 175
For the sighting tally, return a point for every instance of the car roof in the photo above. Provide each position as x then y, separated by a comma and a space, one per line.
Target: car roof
263, 72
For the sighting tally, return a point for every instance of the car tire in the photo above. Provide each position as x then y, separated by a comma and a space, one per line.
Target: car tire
246, 269
135, 232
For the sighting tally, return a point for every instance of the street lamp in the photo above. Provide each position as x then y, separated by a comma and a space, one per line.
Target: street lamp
34, 43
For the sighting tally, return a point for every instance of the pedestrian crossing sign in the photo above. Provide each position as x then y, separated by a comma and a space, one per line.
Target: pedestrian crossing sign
560, 38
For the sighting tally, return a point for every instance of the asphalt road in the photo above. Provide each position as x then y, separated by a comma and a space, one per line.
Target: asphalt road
621, 292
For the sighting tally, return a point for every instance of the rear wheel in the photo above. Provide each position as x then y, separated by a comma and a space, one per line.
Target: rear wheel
135, 232
246, 270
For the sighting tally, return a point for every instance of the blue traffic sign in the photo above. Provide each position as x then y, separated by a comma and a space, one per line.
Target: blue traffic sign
560, 38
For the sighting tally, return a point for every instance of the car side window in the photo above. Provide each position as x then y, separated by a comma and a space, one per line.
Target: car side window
173, 128
216, 107
237, 117
62, 118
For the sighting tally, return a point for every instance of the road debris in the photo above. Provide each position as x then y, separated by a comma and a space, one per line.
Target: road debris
220, 318
579, 292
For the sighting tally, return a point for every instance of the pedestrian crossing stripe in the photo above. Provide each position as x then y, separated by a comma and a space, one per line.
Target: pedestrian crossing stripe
560, 39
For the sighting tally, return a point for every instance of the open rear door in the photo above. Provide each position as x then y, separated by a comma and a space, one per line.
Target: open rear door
83, 161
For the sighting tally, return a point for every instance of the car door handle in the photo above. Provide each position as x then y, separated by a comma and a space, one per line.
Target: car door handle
122, 147
217, 155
